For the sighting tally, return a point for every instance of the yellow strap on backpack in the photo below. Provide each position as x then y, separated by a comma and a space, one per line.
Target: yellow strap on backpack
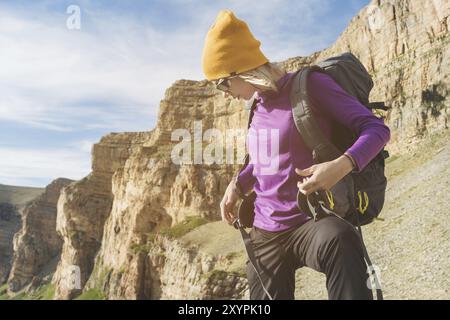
366, 198
330, 199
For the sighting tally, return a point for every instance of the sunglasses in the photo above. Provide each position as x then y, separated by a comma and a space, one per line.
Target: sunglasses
223, 84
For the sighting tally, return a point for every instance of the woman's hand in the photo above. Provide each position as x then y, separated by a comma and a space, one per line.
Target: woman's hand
324, 176
228, 203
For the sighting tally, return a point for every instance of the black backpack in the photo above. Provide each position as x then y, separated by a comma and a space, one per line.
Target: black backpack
358, 197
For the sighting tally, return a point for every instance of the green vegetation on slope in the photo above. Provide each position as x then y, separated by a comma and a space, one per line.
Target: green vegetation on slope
180, 229
45, 292
92, 294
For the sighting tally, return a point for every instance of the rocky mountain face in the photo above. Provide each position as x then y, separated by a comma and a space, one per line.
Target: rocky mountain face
9, 225
84, 206
13, 199
114, 223
36, 244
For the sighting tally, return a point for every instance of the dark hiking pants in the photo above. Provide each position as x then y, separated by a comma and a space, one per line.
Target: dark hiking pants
330, 246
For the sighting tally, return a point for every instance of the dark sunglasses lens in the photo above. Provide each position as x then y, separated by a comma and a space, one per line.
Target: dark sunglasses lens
223, 85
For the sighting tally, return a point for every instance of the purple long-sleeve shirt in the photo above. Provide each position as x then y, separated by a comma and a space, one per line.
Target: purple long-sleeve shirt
276, 148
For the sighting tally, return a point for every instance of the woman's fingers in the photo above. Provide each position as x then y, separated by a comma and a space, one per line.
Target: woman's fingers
226, 210
307, 186
229, 212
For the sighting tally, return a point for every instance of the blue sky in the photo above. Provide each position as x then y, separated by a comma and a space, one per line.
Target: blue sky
61, 90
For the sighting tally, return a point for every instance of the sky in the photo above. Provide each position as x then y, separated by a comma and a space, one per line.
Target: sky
63, 86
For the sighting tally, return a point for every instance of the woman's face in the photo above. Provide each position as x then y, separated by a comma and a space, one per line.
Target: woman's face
240, 89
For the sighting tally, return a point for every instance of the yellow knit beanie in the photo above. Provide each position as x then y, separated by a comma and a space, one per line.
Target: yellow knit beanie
230, 48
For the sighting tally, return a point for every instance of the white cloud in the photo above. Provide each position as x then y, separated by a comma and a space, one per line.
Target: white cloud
32, 166
47, 72
84, 146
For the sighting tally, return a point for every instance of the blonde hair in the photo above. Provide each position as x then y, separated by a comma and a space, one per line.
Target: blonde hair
264, 77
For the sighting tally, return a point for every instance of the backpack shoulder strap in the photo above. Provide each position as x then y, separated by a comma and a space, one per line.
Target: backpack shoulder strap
251, 105
315, 140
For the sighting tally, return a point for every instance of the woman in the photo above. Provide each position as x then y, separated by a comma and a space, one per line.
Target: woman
285, 238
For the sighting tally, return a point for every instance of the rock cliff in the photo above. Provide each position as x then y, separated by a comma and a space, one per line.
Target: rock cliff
37, 243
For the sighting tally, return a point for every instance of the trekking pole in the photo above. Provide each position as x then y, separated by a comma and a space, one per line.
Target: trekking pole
370, 265
250, 253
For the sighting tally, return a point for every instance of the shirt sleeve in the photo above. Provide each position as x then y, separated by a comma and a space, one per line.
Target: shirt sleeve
328, 96
245, 179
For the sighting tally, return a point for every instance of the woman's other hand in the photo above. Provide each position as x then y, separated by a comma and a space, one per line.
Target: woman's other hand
228, 203
324, 176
